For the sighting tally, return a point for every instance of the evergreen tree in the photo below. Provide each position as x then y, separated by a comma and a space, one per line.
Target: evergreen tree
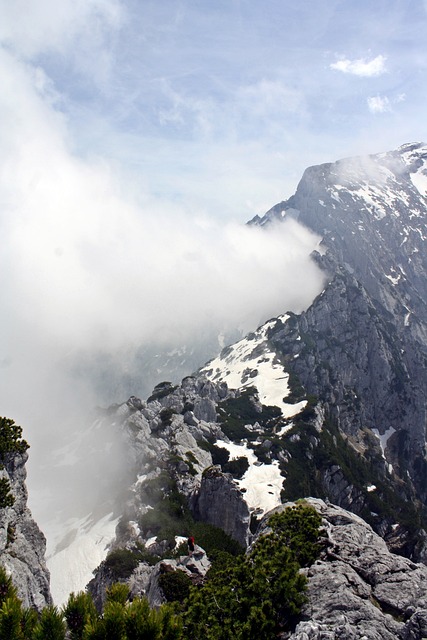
51, 625
261, 594
7, 589
142, 622
11, 438
6, 497
78, 611
10, 619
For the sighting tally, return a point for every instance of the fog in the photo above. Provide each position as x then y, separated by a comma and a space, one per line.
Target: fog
93, 269
91, 272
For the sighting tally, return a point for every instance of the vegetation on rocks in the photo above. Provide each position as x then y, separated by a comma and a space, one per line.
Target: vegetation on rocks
260, 594
11, 440
235, 413
170, 516
256, 595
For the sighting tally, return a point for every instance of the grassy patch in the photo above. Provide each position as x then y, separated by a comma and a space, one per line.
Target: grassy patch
236, 413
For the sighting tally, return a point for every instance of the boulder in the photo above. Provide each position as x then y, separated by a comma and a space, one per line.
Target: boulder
220, 502
358, 589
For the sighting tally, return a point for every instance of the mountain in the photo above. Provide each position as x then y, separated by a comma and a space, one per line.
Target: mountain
361, 347
328, 403
349, 597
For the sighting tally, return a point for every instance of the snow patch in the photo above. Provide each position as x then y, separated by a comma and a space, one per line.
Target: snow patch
76, 554
251, 363
383, 438
150, 541
262, 482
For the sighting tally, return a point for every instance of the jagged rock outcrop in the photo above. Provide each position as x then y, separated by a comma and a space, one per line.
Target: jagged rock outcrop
195, 567
357, 588
22, 544
220, 502
144, 579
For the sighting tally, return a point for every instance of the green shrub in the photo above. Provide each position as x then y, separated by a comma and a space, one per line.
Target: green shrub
236, 413
7, 589
6, 497
11, 438
213, 539
78, 611
298, 528
118, 592
121, 563
51, 625
175, 585
161, 390
219, 454
10, 619
114, 621
237, 467
258, 595
141, 622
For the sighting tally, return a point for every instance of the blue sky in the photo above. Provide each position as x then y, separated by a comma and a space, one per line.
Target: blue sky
220, 106
137, 136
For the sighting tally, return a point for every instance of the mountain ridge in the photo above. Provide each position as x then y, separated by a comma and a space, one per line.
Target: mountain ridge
328, 403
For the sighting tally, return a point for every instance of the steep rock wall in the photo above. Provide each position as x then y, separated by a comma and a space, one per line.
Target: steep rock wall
22, 544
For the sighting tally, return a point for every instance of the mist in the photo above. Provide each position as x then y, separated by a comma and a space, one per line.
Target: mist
93, 271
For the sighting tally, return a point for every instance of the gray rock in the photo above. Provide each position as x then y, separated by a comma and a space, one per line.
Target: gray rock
416, 628
221, 503
358, 589
362, 345
22, 544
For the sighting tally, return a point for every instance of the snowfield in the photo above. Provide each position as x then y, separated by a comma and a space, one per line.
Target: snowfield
262, 482
71, 559
251, 363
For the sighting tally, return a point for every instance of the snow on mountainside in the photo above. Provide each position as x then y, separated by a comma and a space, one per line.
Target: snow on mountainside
348, 379
75, 556
261, 483
251, 362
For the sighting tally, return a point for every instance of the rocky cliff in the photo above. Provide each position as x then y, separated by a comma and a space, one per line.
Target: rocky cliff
361, 347
363, 343
358, 589
22, 544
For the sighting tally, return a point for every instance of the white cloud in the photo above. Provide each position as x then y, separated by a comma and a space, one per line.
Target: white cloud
86, 267
361, 67
48, 25
378, 104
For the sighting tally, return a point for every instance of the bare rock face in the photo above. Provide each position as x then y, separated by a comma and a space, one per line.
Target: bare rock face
221, 503
362, 345
358, 589
22, 544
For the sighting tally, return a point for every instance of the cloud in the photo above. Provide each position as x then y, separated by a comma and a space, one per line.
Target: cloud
361, 67
378, 104
47, 26
90, 267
